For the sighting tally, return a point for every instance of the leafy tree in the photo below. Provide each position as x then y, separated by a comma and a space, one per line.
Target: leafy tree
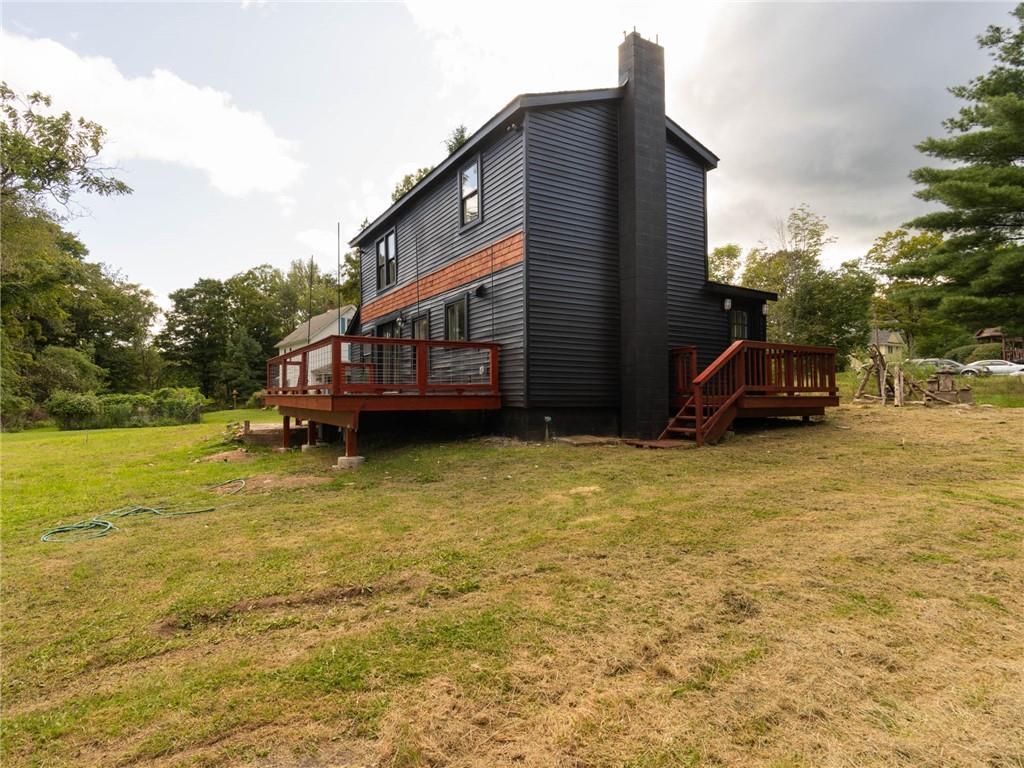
62, 368
195, 335
902, 302
456, 138
831, 308
49, 157
800, 242
244, 366
724, 263
409, 181
975, 275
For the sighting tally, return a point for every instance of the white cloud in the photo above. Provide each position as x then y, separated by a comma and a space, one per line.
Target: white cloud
157, 117
322, 242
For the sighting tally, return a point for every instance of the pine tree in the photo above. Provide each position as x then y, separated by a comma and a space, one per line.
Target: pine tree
977, 275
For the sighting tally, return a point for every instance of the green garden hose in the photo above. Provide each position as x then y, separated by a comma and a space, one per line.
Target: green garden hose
99, 525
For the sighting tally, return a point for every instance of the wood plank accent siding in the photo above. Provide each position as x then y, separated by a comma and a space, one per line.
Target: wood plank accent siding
572, 260
494, 257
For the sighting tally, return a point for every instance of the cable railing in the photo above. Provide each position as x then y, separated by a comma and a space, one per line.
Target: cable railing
362, 365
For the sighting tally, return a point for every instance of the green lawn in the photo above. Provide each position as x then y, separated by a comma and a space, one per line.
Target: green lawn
847, 593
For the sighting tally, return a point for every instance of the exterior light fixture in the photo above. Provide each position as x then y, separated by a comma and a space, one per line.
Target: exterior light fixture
400, 321
764, 308
727, 304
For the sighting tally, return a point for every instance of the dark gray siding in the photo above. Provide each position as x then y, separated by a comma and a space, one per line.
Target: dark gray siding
429, 236
497, 316
572, 256
694, 315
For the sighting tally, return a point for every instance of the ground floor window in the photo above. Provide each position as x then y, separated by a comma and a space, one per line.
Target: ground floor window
739, 325
421, 326
456, 320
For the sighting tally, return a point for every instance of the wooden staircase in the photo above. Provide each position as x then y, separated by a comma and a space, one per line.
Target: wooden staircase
750, 378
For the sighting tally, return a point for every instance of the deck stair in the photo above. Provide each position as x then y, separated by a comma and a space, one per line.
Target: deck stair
749, 379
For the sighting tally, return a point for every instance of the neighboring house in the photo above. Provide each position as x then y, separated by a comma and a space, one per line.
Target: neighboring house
1012, 346
333, 322
318, 327
571, 229
890, 343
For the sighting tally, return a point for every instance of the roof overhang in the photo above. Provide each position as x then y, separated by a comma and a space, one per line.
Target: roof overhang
739, 292
706, 156
518, 104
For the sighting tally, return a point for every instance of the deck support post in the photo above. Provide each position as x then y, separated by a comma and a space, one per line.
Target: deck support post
351, 445
311, 433
286, 432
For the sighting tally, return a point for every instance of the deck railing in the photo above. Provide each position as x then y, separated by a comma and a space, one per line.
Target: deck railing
370, 365
755, 368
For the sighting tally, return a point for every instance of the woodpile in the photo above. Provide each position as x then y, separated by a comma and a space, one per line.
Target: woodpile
889, 383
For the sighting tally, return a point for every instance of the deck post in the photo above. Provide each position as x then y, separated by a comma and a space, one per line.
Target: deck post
336, 366
422, 366
286, 432
351, 444
310, 433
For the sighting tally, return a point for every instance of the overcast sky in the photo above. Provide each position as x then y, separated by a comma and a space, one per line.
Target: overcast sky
248, 129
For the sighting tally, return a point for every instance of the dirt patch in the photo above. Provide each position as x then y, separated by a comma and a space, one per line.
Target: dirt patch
582, 441
283, 482
170, 625
229, 457
585, 490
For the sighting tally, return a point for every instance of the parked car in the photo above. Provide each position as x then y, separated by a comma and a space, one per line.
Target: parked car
939, 363
995, 367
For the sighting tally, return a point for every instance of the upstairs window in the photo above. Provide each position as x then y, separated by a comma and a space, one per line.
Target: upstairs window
456, 321
469, 193
387, 260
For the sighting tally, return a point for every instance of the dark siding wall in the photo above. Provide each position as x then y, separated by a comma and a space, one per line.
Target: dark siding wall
429, 237
694, 315
572, 256
498, 316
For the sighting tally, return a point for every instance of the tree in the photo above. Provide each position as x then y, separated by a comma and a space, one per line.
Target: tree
409, 181
975, 275
724, 263
831, 308
456, 138
800, 242
49, 157
903, 302
44, 159
195, 335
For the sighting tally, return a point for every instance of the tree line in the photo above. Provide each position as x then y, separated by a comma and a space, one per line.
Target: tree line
941, 276
72, 325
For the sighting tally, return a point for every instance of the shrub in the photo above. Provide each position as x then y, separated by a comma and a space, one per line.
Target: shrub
181, 405
256, 399
985, 352
73, 410
171, 405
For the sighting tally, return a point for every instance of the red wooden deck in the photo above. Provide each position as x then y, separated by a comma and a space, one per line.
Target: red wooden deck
333, 380
749, 379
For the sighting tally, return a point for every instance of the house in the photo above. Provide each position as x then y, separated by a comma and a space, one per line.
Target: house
1012, 346
332, 322
553, 269
890, 343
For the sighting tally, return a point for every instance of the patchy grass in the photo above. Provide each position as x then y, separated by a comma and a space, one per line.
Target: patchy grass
841, 594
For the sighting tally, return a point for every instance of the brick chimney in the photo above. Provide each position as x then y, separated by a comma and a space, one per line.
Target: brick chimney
642, 258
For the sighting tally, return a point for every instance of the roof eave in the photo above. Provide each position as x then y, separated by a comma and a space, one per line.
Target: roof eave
521, 102
739, 292
709, 158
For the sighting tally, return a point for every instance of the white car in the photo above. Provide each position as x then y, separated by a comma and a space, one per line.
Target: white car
994, 367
